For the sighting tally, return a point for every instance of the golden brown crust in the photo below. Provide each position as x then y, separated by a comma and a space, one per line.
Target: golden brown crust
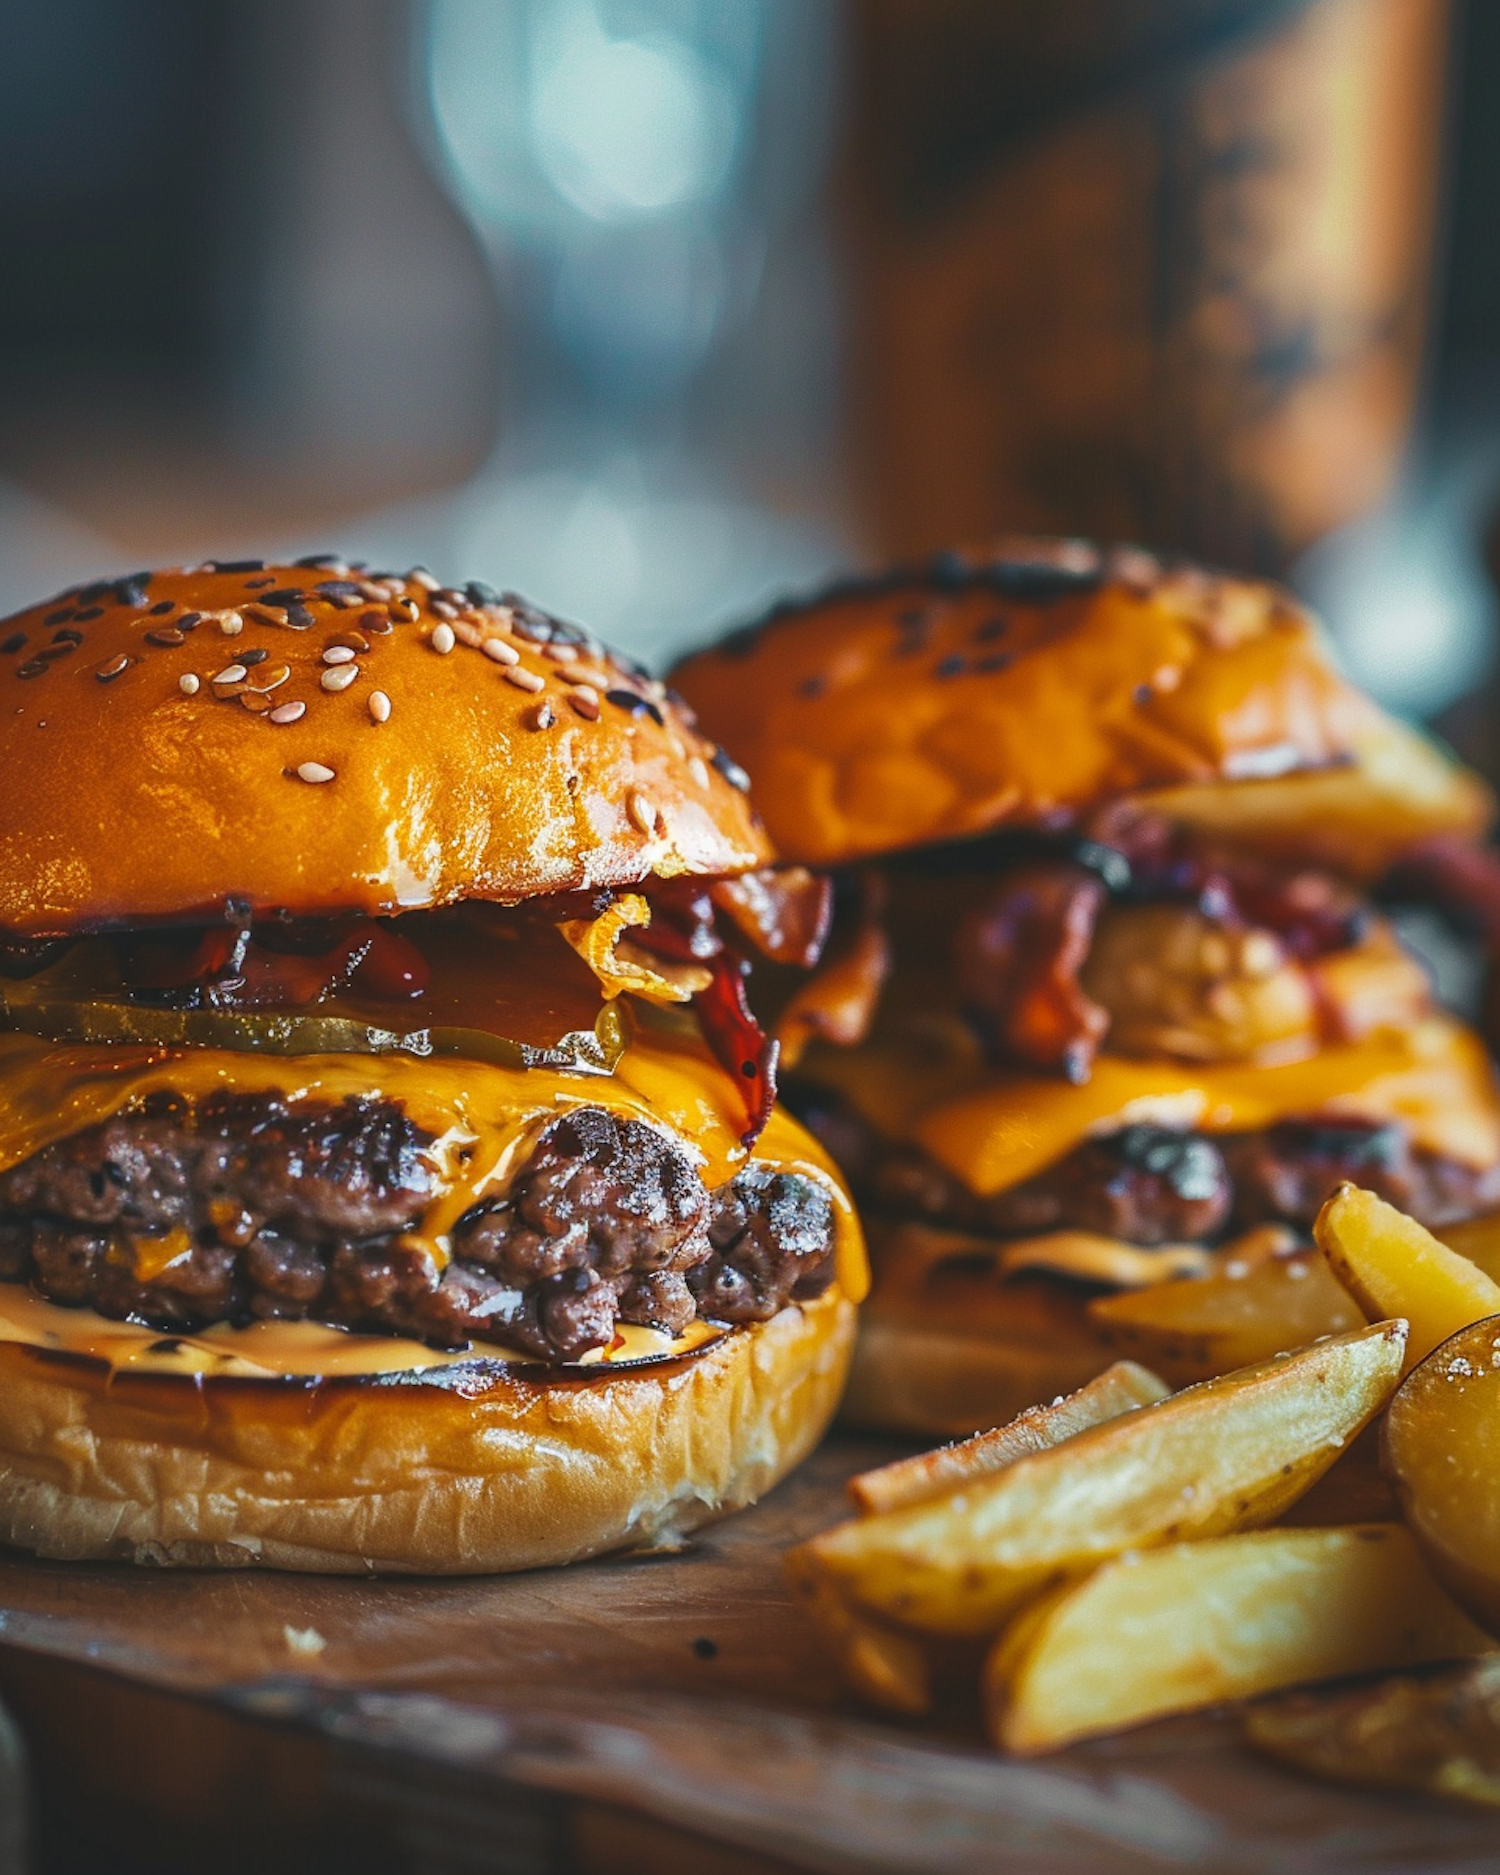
1046, 677
355, 1476
492, 775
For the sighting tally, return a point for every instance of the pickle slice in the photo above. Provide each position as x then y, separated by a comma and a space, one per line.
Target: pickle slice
280, 1032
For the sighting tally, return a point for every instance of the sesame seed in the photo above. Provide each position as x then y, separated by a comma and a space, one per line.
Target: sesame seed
256, 655
468, 633
442, 608
188, 684
377, 590
167, 636
230, 623
340, 677
111, 668
271, 679
287, 712
266, 614
543, 716
404, 611
314, 772
339, 654
419, 576
378, 624
585, 700
442, 639
642, 810
231, 674
698, 769
500, 651
255, 701
190, 621
562, 653
15, 642
33, 667
352, 641
523, 679
380, 706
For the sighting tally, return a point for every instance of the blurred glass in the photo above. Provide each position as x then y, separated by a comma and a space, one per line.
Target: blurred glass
643, 177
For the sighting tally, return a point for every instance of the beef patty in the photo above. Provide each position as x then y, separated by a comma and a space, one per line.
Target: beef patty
249, 1208
1153, 1185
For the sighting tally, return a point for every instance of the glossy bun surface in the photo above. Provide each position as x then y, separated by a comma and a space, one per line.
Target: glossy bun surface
1040, 680
319, 739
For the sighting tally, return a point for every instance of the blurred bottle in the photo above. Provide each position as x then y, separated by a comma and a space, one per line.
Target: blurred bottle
1154, 269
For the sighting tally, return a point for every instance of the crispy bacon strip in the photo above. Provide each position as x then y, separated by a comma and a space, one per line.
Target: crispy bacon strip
838, 1003
1457, 876
1019, 954
738, 1042
785, 911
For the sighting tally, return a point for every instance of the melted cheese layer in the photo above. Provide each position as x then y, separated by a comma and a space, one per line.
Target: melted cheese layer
994, 1131
484, 1120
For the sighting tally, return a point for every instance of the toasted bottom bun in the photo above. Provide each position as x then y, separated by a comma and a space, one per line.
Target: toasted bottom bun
948, 1346
462, 1471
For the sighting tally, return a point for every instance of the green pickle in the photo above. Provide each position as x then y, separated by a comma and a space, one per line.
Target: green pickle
281, 1032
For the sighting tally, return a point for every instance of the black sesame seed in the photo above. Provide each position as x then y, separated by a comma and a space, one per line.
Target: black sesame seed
706, 1649
60, 617
131, 590
94, 611
312, 561
1038, 580
51, 653
812, 686
91, 595
994, 661
283, 595
948, 667
1143, 695
297, 616
189, 621
236, 566
15, 642
254, 585
947, 571
633, 704
990, 630
166, 635
167, 1345
162, 607
730, 769
33, 667
66, 637
477, 592
254, 656
337, 589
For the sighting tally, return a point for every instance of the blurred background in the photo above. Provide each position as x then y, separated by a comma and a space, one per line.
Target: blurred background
652, 307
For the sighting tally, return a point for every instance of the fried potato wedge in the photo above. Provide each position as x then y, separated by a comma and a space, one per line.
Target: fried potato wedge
1193, 1330
1393, 1267
885, 1666
1196, 1624
1438, 1732
1442, 1446
1227, 1455
1119, 1389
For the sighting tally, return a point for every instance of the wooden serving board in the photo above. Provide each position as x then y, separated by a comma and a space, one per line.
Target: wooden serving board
684, 1694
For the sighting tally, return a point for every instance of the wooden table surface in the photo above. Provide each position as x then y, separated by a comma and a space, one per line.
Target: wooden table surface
683, 1696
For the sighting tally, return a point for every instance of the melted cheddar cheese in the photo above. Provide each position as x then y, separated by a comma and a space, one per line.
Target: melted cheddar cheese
994, 1131
483, 1119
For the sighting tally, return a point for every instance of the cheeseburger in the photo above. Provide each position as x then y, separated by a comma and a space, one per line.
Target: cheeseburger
1107, 996
389, 1170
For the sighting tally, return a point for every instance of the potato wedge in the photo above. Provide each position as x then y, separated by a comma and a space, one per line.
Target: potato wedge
1193, 1330
1478, 1239
1226, 1455
889, 1668
1438, 1733
1393, 1267
1119, 1389
1442, 1446
1195, 1624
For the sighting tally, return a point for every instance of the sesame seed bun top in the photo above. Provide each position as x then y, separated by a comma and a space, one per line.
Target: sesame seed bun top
1026, 686
318, 738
